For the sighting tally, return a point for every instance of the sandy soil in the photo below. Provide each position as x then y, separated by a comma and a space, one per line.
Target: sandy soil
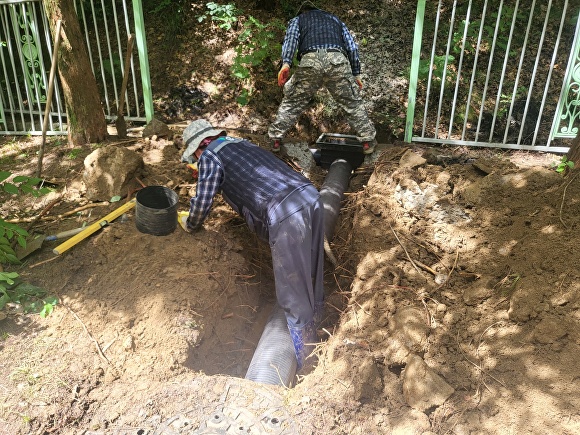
154, 334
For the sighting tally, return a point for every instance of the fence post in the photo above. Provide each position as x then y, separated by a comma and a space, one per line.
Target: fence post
413, 78
141, 40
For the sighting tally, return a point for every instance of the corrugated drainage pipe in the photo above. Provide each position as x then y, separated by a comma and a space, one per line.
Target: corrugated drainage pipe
274, 361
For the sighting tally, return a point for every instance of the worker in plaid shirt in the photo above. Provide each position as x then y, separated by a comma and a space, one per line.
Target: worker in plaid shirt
328, 57
279, 204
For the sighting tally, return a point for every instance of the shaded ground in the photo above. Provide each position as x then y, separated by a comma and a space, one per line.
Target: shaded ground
153, 334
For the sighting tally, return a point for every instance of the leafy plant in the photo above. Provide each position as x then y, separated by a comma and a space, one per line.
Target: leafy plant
256, 46
10, 232
225, 15
21, 184
564, 165
74, 153
33, 299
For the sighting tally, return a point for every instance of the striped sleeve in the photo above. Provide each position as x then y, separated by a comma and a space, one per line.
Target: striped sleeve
351, 50
290, 44
211, 176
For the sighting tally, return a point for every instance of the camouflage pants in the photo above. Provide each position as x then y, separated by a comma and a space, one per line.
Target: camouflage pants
331, 70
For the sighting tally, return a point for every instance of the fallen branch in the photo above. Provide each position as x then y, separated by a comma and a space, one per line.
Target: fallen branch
99, 351
405, 249
60, 216
563, 199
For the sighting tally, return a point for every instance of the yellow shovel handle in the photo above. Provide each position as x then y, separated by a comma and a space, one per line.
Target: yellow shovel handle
94, 227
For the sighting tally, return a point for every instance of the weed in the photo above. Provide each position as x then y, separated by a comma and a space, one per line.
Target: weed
256, 48
33, 299
564, 165
225, 15
74, 153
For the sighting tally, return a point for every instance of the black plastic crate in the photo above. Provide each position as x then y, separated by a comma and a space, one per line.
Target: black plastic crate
335, 146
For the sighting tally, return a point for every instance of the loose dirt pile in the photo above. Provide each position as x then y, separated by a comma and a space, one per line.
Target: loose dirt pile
156, 330
459, 271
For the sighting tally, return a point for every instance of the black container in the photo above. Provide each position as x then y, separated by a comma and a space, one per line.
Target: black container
156, 210
339, 146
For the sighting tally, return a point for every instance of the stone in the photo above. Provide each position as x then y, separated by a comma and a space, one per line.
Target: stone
411, 160
422, 387
108, 172
157, 128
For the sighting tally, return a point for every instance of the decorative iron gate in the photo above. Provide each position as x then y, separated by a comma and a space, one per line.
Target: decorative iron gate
26, 55
495, 73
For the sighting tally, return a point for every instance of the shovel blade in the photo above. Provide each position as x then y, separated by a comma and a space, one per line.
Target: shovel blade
32, 244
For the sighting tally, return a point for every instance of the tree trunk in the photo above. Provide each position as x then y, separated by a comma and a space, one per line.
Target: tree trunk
574, 152
85, 116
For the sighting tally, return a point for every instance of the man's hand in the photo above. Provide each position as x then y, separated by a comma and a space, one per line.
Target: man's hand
182, 219
283, 74
358, 81
193, 168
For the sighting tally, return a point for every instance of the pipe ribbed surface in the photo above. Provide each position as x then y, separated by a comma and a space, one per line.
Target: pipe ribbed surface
332, 192
274, 361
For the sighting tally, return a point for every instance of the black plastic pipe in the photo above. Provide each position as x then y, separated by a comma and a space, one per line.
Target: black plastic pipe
332, 193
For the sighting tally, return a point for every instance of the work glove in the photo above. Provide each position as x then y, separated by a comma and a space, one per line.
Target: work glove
182, 219
194, 171
283, 74
358, 81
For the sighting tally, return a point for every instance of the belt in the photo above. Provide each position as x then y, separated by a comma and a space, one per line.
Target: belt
328, 50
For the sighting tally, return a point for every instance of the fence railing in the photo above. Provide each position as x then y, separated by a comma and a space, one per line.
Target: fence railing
495, 73
26, 54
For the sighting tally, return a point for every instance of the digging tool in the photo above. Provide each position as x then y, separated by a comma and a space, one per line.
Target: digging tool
93, 228
120, 121
35, 242
49, 97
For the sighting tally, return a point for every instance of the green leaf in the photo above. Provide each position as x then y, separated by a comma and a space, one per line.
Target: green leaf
27, 289
8, 277
4, 175
10, 188
20, 179
4, 298
115, 198
53, 300
46, 310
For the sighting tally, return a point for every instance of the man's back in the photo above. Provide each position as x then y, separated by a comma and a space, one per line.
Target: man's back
254, 178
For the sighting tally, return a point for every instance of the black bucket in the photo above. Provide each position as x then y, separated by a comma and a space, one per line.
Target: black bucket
156, 210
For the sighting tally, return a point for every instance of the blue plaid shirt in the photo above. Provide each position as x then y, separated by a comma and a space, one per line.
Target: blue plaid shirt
253, 181
292, 39
210, 178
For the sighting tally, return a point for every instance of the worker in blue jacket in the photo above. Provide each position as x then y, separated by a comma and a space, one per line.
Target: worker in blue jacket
279, 204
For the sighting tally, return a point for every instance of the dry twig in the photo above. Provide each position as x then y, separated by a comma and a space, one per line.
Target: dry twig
563, 199
99, 351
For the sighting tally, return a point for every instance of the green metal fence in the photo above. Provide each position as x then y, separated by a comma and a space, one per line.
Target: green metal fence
26, 54
495, 73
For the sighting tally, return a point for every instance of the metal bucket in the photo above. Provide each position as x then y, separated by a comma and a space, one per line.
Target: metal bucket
156, 210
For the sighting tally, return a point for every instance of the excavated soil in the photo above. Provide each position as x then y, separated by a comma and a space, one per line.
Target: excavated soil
467, 260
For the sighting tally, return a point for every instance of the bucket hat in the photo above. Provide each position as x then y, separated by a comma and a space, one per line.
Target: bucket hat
194, 134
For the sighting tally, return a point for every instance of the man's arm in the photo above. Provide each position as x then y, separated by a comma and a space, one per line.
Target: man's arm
351, 50
290, 44
208, 184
